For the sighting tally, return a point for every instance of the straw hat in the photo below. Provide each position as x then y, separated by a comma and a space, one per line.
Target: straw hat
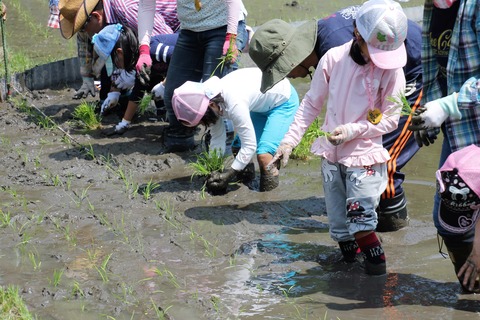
74, 14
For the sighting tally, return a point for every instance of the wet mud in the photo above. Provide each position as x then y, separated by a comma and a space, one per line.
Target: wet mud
77, 204
113, 227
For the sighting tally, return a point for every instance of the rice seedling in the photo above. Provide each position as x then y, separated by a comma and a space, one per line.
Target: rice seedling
206, 163
302, 150
12, 305
144, 104
401, 102
69, 235
148, 189
228, 57
33, 256
76, 290
159, 312
85, 114
57, 277
169, 210
5, 218
102, 269
88, 152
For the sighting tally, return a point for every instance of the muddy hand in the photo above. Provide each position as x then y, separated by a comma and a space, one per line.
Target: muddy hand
422, 135
282, 155
220, 180
469, 272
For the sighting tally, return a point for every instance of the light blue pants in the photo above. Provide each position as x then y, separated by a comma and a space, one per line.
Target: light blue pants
270, 127
351, 196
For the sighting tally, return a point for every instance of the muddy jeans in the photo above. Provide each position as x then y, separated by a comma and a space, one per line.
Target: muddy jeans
351, 196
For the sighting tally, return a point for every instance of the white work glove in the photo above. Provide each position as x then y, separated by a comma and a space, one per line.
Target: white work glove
125, 80
88, 87
110, 102
283, 152
437, 111
158, 91
341, 134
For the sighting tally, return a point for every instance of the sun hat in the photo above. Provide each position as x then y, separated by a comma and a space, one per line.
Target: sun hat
458, 183
74, 14
383, 25
103, 44
190, 100
277, 47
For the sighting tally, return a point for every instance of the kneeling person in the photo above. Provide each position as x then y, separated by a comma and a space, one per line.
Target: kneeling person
260, 120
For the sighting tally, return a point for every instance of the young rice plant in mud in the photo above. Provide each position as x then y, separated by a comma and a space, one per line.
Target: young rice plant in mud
12, 305
208, 162
148, 188
85, 114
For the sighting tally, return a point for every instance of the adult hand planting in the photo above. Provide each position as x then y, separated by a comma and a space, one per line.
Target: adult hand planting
88, 87
218, 181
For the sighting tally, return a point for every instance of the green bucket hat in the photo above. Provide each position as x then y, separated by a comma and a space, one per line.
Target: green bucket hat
277, 47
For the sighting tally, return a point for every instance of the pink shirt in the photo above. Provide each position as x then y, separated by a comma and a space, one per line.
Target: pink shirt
352, 91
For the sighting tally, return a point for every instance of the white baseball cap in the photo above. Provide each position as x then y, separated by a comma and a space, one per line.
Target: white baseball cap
383, 25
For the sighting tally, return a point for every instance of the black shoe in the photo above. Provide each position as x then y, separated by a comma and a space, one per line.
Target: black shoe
375, 269
392, 213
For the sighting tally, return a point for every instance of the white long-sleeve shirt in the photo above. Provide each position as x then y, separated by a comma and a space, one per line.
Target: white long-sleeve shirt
240, 90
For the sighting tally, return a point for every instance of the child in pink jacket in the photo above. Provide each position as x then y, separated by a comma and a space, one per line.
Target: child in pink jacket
358, 78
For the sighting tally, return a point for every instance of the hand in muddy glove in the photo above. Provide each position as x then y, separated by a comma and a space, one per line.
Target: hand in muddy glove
283, 152
144, 64
88, 87
110, 102
341, 134
219, 181
125, 80
423, 136
158, 91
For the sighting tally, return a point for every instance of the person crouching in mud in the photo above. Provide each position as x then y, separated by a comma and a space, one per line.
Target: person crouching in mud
260, 120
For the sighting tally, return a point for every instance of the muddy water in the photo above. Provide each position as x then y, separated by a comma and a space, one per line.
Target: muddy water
245, 255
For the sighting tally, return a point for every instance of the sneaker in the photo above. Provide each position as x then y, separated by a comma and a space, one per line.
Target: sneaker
122, 127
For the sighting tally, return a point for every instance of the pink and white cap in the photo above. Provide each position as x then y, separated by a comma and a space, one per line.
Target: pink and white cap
383, 25
190, 100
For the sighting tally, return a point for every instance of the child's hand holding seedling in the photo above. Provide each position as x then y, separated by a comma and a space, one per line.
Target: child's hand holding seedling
230, 50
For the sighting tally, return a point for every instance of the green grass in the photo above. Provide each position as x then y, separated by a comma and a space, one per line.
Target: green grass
12, 306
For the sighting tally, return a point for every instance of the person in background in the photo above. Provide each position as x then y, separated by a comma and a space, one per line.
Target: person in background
260, 120
356, 81
336, 30
458, 185
53, 20
121, 45
87, 17
451, 70
209, 30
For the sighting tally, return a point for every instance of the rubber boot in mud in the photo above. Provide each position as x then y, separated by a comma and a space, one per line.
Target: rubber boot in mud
269, 179
458, 255
349, 250
178, 139
392, 213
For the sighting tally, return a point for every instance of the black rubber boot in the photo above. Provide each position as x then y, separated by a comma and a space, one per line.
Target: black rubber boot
458, 256
349, 250
178, 139
269, 181
392, 213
